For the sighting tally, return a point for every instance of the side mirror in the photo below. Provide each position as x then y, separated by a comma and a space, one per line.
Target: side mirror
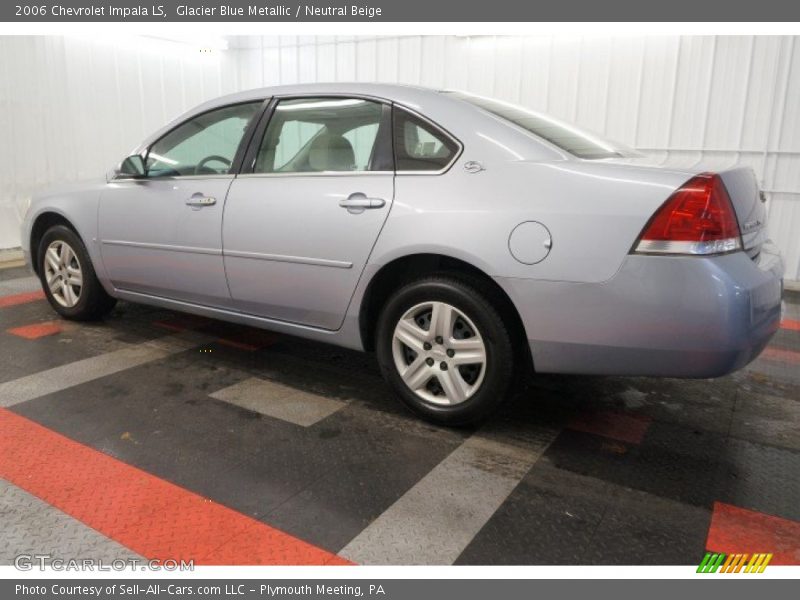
132, 167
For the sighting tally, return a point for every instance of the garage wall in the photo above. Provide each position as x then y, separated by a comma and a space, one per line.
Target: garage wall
70, 108
719, 100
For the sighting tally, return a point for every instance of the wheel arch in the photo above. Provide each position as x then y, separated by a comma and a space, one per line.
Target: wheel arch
407, 268
41, 224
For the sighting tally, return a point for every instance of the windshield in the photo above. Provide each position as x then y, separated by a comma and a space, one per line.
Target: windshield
568, 137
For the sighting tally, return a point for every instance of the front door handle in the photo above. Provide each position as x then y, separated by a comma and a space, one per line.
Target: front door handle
198, 200
358, 202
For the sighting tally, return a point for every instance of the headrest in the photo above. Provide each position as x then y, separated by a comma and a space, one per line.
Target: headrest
330, 152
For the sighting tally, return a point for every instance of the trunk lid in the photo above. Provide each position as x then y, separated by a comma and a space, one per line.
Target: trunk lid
750, 206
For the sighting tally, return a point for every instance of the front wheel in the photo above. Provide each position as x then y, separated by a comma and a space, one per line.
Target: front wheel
68, 278
445, 349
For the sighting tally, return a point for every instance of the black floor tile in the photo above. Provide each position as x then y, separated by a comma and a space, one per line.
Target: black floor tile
762, 478
671, 462
550, 518
642, 529
365, 469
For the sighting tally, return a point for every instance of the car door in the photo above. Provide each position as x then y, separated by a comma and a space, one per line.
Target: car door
161, 234
300, 225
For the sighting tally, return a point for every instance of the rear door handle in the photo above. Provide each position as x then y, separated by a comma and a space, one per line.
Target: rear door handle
358, 202
198, 200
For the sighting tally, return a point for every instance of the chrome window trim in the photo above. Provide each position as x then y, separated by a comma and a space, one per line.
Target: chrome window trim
289, 96
174, 177
317, 174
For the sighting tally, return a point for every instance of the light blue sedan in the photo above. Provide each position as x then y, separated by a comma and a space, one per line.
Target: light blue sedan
461, 238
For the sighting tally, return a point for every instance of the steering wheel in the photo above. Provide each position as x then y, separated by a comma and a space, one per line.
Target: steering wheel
214, 157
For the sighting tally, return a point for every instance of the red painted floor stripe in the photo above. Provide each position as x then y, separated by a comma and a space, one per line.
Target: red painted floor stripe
152, 517
249, 340
791, 324
617, 426
168, 325
737, 530
21, 298
183, 322
37, 330
238, 345
781, 355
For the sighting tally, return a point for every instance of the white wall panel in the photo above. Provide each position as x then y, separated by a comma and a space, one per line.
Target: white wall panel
729, 79
593, 83
409, 64
387, 54
345, 61
657, 94
366, 60
626, 72
307, 63
432, 67
684, 100
289, 61
535, 73
455, 68
564, 74
71, 107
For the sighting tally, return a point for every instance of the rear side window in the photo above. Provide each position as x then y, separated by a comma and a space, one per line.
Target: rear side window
568, 137
203, 145
419, 145
317, 135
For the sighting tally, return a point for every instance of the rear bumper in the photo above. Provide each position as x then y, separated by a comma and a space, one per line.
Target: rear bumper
658, 316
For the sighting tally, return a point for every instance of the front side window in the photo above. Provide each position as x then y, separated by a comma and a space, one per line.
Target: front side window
203, 145
315, 135
419, 146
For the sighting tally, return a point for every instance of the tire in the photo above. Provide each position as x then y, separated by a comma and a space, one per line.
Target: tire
446, 390
84, 302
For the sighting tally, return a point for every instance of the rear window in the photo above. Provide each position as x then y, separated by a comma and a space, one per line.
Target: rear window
419, 146
568, 137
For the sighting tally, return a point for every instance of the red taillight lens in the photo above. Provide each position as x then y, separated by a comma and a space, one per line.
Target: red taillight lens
697, 219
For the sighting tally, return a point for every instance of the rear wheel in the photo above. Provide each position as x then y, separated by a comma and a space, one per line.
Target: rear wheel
445, 350
68, 278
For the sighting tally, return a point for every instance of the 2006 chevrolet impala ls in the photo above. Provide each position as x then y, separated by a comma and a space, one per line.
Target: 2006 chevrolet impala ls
461, 238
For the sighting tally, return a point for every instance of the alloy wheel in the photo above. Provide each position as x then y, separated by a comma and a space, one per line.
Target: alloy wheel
63, 273
439, 353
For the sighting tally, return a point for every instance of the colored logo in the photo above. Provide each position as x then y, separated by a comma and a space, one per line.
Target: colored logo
714, 562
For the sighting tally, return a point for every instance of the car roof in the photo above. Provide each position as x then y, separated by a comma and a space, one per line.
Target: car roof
388, 91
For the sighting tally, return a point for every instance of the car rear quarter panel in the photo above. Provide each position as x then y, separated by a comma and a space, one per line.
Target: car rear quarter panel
594, 212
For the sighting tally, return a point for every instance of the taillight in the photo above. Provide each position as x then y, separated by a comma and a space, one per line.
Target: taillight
697, 219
